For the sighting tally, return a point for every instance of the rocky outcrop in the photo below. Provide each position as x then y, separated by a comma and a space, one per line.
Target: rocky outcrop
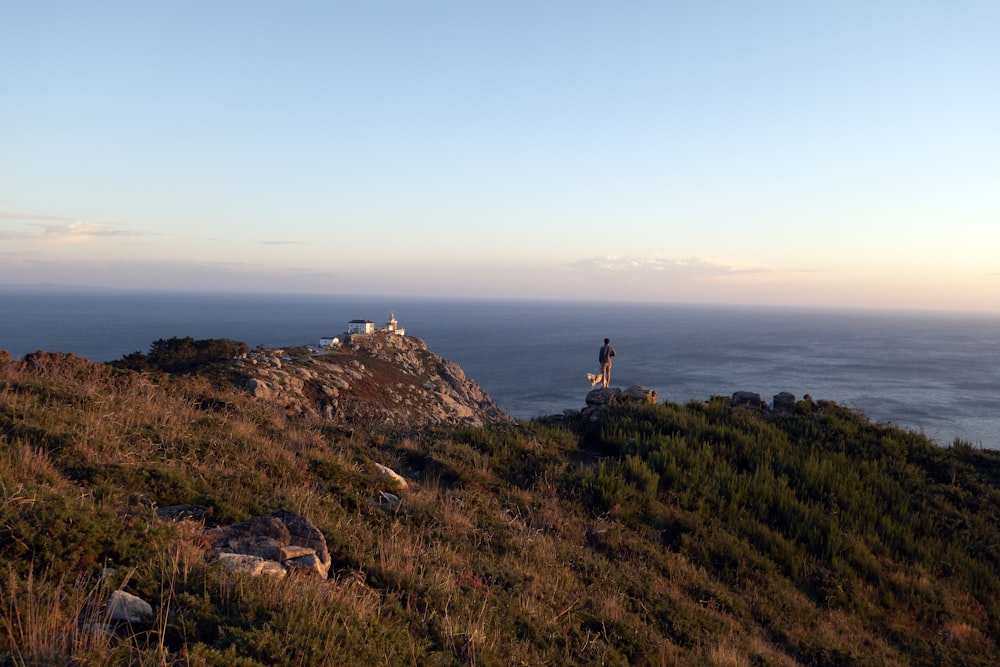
274, 545
601, 398
782, 402
375, 380
748, 399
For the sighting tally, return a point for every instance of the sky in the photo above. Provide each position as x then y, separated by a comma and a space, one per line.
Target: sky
832, 154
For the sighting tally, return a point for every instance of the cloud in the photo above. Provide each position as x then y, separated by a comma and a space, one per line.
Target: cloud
692, 267
71, 232
15, 215
165, 275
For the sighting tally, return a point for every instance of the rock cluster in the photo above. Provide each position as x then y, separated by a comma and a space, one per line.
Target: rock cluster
747, 399
782, 402
599, 399
276, 545
376, 379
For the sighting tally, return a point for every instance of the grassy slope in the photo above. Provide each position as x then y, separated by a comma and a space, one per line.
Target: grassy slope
662, 534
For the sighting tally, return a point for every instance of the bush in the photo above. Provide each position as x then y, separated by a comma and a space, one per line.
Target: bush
182, 355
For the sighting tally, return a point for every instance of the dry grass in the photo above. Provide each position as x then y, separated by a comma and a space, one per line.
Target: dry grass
23, 463
47, 620
498, 553
727, 652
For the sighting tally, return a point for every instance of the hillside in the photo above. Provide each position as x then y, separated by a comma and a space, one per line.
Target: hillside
698, 534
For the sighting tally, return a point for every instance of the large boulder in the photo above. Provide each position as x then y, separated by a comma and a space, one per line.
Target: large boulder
748, 399
257, 387
602, 396
615, 396
784, 402
642, 394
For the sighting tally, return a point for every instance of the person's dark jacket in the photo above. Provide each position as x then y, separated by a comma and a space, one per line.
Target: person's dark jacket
604, 356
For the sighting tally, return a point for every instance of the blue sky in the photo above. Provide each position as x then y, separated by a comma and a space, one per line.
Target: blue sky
791, 153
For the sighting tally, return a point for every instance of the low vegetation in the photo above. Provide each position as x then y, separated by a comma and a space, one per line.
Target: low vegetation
667, 534
183, 355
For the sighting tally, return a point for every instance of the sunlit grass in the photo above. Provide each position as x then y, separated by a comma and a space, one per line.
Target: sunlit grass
691, 534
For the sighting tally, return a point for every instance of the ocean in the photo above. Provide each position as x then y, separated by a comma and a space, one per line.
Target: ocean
937, 373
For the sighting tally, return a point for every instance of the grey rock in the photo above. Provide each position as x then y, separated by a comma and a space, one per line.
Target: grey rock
242, 563
267, 544
748, 399
602, 396
273, 569
124, 607
310, 564
393, 475
640, 393
257, 387
389, 502
784, 402
289, 552
304, 534
249, 533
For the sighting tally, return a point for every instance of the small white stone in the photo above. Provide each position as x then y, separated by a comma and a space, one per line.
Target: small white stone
399, 479
129, 608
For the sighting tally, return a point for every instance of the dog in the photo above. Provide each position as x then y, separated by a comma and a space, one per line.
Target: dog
594, 379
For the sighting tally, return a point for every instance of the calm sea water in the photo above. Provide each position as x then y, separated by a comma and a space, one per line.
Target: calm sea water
936, 373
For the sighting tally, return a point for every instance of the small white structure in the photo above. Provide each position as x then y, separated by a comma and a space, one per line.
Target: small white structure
360, 327
329, 341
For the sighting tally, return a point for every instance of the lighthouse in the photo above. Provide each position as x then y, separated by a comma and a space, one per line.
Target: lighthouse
392, 326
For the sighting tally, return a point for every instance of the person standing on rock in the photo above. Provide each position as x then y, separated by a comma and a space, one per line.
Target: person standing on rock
604, 357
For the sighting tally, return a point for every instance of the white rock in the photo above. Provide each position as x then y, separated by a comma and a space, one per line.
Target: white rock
128, 608
291, 551
310, 563
399, 479
242, 563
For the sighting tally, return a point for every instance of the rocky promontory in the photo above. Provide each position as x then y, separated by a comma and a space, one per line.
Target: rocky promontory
376, 379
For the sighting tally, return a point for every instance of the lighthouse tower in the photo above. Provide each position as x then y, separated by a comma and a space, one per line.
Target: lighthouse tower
392, 326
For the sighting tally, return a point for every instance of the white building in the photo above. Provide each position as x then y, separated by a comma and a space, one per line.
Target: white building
329, 341
360, 327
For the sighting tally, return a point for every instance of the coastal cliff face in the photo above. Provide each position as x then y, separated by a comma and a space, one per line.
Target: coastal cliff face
378, 379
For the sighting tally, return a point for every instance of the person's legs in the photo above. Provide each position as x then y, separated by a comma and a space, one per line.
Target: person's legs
606, 375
